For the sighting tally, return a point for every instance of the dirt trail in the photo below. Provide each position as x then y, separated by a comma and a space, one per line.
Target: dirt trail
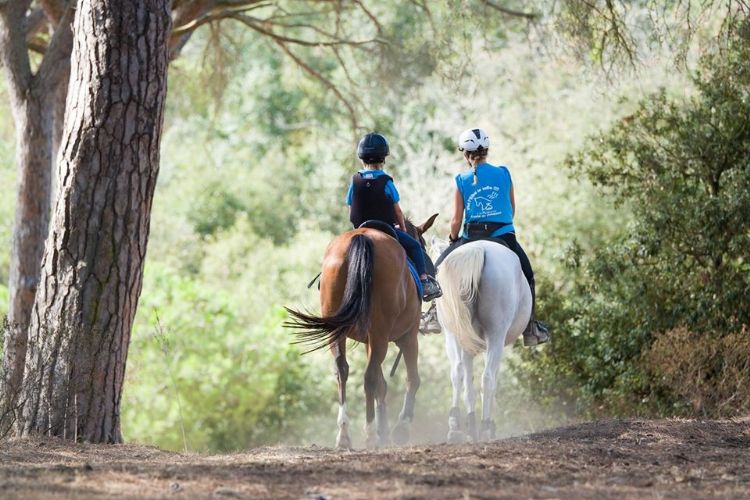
606, 459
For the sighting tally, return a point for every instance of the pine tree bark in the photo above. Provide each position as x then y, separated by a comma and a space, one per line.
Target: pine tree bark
33, 117
93, 264
33, 153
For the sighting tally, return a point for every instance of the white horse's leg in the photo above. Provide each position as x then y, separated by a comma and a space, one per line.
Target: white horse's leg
409, 346
495, 346
470, 395
453, 349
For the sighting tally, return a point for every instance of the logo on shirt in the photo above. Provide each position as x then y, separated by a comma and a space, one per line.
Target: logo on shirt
481, 202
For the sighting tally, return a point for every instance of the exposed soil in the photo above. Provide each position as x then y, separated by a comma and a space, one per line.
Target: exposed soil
632, 459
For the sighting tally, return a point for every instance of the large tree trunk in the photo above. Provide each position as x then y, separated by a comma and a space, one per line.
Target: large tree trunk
33, 117
34, 160
93, 263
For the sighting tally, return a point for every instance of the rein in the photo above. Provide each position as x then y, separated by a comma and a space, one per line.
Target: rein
395, 363
316, 278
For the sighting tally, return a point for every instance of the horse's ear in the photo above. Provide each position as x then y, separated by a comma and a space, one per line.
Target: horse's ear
427, 225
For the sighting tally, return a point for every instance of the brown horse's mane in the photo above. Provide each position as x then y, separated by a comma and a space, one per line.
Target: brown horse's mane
411, 230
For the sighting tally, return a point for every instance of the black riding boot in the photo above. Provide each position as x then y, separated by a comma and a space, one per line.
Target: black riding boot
536, 332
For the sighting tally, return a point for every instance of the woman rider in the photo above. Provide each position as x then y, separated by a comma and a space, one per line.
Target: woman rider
485, 203
373, 196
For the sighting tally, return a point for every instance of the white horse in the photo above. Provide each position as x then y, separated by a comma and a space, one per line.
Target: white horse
486, 305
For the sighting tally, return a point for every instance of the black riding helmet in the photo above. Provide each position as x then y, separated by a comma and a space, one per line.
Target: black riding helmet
373, 148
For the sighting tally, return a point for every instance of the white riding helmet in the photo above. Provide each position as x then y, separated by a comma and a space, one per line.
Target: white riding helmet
473, 140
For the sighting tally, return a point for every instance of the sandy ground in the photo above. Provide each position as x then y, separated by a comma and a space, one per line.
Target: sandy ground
605, 459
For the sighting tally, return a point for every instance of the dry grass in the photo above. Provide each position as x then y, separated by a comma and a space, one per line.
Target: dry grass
712, 373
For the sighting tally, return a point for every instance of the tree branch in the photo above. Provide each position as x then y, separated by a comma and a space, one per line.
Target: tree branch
13, 55
510, 12
371, 16
184, 12
189, 16
34, 22
54, 10
206, 17
56, 62
256, 24
37, 44
325, 81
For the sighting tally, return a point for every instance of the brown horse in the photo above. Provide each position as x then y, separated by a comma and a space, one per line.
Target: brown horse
367, 294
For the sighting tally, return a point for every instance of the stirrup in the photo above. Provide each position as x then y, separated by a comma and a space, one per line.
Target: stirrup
428, 322
536, 333
431, 289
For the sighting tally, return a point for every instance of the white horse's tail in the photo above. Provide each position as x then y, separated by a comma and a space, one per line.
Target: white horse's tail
459, 276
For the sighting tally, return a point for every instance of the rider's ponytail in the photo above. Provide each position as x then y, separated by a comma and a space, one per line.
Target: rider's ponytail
479, 154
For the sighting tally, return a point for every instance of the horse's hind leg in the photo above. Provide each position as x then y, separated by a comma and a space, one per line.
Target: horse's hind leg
470, 395
495, 346
342, 373
454, 352
409, 346
375, 389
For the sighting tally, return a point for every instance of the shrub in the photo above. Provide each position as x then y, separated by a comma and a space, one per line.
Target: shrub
709, 372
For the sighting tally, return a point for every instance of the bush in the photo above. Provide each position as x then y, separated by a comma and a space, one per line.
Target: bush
709, 372
201, 379
681, 168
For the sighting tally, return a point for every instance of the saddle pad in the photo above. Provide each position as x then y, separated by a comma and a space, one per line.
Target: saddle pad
417, 281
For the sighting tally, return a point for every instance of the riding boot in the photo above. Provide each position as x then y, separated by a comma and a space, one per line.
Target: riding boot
536, 332
431, 289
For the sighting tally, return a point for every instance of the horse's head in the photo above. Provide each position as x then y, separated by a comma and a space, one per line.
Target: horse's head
416, 232
437, 245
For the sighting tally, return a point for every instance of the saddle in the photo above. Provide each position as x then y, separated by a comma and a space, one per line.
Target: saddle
391, 231
370, 224
459, 242
482, 230
380, 226
496, 240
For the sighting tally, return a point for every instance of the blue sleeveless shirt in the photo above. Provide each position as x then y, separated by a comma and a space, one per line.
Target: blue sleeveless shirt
489, 199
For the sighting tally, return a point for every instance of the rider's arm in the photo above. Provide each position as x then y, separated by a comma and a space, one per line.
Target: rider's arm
458, 215
399, 217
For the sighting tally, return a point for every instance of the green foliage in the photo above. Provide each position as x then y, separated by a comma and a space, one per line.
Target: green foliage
199, 368
681, 167
4, 298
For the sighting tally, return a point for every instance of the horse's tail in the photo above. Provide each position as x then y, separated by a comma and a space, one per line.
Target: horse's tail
459, 276
354, 310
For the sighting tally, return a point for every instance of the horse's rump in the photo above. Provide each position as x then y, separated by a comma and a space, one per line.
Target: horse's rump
354, 307
459, 275
361, 268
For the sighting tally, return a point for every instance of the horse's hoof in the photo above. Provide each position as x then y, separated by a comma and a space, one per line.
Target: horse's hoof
456, 437
400, 433
471, 426
488, 430
344, 443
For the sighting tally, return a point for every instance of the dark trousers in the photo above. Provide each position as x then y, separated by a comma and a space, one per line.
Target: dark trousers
413, 250
510, 240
